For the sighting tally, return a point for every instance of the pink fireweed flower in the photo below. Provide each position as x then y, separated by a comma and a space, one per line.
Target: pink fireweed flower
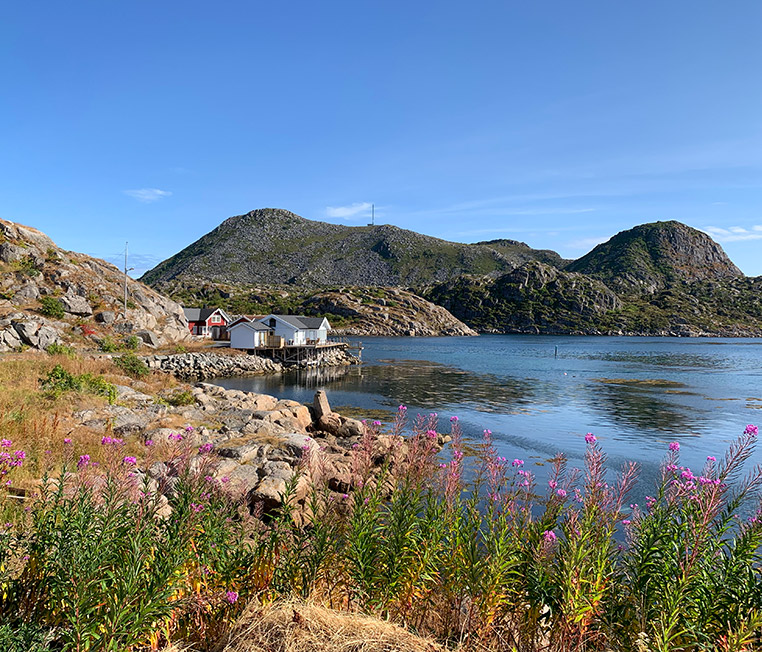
175, 437
431, 434
376, 423
205, 448
130, 460
149, 442
188, 428
231, 596
590, 438
401, 408
751, 429
549, 536
626, 522
453, 419
552, 484
84, 460
196, 507
561, 493
105, 441
224, 479
67, 440
5, 443
711, 458
517, 462
674, 447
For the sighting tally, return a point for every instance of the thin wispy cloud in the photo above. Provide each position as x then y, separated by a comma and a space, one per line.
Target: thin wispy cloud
138, 263
347, 212
734, 233
585, 244
147, 195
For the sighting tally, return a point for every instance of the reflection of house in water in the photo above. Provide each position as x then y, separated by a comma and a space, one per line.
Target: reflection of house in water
317, 377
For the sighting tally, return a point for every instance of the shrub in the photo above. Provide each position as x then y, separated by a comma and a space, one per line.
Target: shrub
61, 349
132, 343
179, 399
52, 307
108, 345
58, 381
132, 365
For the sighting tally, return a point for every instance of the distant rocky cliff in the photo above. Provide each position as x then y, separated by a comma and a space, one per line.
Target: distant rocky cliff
48, 295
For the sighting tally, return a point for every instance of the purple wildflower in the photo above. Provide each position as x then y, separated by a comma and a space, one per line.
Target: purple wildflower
590, 438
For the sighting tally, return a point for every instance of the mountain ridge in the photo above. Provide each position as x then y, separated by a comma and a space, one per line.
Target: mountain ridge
278, 247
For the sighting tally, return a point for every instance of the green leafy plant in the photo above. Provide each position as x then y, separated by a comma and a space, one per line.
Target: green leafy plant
61, 349
132, 365
58, 381
52, 307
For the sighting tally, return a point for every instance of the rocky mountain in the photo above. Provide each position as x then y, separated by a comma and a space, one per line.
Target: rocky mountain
663, 278
651, 257
48, 295
276, 247
534, 298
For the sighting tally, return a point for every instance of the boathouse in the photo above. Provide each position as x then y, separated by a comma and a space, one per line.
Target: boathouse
246, 334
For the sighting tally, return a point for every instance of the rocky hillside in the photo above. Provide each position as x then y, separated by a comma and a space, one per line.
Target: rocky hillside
275, 247
385, 311
535, 298
351, 310
48, 295
663, 278
651, 257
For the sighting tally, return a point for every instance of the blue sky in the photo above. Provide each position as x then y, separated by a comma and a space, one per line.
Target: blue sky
553, 122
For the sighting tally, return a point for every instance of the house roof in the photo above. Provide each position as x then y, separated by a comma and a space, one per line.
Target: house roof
202, 314
301, 322
253, 325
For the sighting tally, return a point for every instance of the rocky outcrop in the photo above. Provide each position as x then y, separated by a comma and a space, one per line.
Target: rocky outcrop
259, 446
650, 257
38, 278
534, 298
386, 312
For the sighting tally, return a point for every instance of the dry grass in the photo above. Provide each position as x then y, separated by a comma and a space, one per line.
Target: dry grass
300, 627
38, 422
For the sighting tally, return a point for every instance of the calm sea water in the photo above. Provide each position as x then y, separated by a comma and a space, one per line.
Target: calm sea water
540, 394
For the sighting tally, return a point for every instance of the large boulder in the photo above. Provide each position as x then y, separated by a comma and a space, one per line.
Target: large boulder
76, 305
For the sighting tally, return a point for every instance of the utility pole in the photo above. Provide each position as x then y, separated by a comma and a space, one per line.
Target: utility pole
125, 279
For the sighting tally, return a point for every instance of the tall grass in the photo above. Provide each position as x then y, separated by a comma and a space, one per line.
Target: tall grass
468, 551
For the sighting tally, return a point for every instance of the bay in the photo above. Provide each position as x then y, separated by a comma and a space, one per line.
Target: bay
539, 395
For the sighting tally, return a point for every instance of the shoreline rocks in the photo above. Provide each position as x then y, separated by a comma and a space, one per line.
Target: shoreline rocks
258, 443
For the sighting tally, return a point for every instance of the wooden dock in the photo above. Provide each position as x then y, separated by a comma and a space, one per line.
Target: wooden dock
307, 353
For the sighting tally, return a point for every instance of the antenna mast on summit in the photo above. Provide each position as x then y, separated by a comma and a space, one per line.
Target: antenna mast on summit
372, 214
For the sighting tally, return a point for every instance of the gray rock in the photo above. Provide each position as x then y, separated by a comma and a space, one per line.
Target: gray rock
27, 292
47, 336
351, 428
149, 337
27, 331
269, 491
105, 317
10, 338
10, 253
76, 305
321, 405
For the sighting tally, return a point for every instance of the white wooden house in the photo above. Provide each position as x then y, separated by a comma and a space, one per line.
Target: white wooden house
298, 330
245, 334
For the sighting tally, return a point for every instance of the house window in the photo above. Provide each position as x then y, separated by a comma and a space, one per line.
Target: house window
216, 319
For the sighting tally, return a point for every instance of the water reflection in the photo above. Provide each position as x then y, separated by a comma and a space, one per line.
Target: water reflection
641, 405
661, 359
